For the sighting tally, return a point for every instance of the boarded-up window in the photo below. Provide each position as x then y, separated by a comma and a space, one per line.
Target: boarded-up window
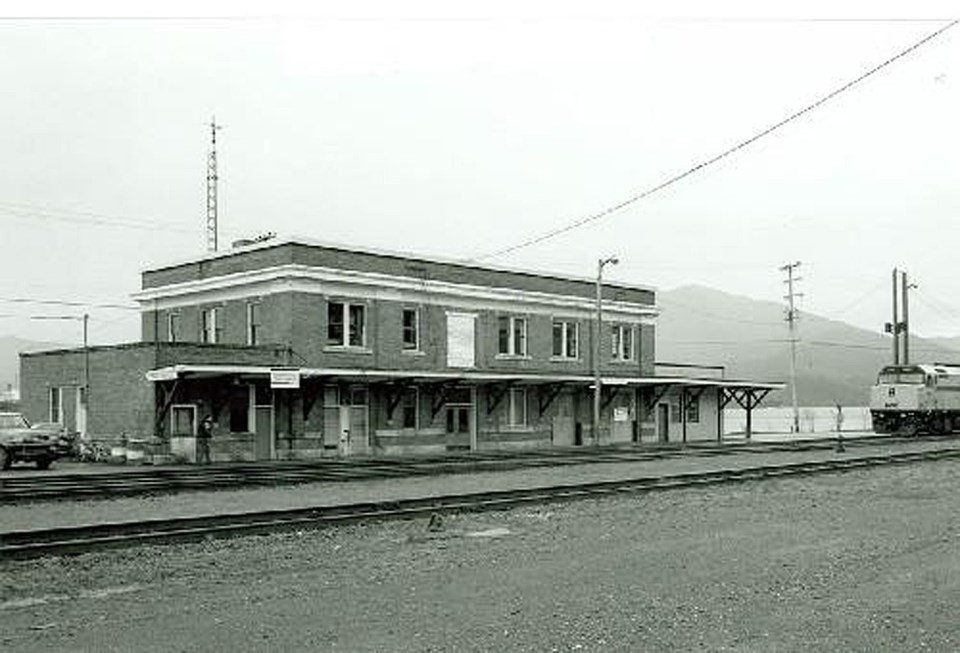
461, 339
182, 420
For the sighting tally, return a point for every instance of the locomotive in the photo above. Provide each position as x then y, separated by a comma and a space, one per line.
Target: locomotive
912, 399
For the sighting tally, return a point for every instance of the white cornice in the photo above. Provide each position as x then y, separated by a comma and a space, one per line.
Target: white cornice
374, 285
414, 257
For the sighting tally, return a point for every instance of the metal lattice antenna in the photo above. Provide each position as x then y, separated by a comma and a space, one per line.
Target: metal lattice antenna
212, 187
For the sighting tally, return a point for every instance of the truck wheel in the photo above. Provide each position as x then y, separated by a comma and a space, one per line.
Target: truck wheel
44, 463
4, 459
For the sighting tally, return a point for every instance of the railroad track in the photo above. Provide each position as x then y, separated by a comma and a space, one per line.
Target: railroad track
33, 487
77, 539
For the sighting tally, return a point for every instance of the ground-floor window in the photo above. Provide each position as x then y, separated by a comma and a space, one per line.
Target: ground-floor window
56, 406
409, 412
458, 419
517, 415
693, 410
240, 409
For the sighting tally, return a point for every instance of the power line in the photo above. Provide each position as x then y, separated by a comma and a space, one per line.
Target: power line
715, 159
88, 217
28, 211
833, 315
64, 302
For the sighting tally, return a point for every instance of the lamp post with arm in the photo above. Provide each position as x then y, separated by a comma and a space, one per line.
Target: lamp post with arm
610, 260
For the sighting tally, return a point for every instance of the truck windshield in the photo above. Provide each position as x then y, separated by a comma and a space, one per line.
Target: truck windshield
901, 376
13, 421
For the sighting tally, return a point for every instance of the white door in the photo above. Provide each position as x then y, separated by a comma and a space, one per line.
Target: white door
353, 431
81, 425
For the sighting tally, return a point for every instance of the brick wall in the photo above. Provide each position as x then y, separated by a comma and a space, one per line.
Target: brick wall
120, 398
299, 320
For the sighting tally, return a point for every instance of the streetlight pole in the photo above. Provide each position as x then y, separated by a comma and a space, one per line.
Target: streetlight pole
597, 348
86, 373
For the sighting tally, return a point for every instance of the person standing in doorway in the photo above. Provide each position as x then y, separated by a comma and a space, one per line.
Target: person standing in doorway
204, 434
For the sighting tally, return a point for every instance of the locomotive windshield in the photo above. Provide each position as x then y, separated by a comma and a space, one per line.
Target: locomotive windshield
909, 375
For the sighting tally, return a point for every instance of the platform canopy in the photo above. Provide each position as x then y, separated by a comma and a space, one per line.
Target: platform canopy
190, 371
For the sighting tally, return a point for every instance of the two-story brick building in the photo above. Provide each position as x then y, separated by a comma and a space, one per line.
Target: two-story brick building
300, 349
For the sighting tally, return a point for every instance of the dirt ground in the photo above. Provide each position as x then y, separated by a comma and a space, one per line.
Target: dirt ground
866, 560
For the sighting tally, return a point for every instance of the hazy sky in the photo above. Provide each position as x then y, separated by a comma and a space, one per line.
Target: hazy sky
462, 130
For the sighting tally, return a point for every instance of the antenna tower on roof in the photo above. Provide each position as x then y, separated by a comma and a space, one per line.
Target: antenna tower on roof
212, 187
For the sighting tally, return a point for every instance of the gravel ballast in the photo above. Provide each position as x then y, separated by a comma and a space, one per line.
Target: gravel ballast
866, 560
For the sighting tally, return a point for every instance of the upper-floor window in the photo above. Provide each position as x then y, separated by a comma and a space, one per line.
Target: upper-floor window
253, 323
411, 329
566, 339
622, 342
346, 324
173, 327
512, 336
211, 326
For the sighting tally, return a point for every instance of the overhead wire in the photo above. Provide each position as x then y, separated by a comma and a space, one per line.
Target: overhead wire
66, 302
552, 233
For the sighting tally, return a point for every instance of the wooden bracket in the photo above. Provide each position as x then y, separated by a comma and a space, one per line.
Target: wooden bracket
656, 394
310, 398
612, 392
439, 399
546, 394
496, 394
166, 400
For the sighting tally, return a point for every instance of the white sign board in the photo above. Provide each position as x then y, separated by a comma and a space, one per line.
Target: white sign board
621, 414
285, 379
163, 374
461, 339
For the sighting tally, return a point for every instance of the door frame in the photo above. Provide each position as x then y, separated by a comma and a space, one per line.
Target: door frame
252, 420
663, 422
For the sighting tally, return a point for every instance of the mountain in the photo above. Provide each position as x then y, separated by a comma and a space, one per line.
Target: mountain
836, 362
10, 348
951, 343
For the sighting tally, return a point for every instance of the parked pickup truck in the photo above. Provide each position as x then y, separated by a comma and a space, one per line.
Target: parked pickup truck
19, 442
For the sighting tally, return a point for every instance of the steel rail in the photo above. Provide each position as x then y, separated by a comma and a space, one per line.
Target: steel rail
168, 480
76, 539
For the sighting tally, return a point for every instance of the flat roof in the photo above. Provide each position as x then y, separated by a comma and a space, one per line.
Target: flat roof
179, 371
313, 242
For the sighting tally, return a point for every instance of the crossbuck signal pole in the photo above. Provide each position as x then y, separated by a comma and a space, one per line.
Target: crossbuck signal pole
792, 324
212, 187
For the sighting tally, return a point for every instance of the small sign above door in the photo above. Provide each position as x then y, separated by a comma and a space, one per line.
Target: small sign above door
285, 379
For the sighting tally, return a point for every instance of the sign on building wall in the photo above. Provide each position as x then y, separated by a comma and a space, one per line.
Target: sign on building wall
621, 414
461, 339
285, 379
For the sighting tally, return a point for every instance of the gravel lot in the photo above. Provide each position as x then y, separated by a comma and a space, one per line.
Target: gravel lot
865, 560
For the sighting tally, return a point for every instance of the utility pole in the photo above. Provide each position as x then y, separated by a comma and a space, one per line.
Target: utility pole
791, 318
597, 337
895, 325
212, 187
905, 289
